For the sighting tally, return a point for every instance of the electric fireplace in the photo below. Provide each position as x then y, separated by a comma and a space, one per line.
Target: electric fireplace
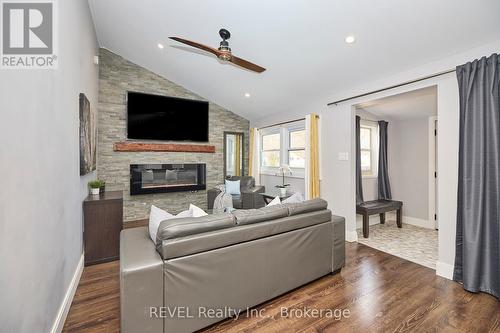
165, 178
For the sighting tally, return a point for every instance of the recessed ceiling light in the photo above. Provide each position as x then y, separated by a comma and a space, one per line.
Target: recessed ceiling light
160, 46
247, 95
350, 39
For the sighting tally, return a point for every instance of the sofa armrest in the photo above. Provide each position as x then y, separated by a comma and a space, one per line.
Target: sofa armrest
141, 282
338, 243
251, 198
211, 195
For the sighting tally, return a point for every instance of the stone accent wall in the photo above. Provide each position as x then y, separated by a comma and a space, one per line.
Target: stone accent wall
116, 77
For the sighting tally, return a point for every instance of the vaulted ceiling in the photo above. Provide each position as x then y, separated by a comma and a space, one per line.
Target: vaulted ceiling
301, 43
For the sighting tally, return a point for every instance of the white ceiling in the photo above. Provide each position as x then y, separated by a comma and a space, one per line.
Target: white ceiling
301, 43
419, 103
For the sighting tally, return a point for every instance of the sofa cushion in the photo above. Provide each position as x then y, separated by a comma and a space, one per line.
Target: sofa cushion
193, 225
250, 216
183, 246
306, 206
247, 182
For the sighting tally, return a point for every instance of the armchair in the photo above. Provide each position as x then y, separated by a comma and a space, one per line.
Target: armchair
249, 198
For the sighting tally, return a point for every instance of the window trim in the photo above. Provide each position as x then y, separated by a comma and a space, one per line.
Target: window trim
289, 149
261, 150
284, 132
374, 142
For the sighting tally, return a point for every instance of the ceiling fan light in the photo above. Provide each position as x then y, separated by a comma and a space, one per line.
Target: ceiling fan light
225, 56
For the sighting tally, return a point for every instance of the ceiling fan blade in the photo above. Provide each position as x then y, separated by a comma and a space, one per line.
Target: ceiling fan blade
197, 45
246, 64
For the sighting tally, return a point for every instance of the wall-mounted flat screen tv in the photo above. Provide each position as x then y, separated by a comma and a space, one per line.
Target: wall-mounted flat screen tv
154, 117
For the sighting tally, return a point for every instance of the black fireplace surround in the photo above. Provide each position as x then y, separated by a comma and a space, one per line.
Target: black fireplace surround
165, 178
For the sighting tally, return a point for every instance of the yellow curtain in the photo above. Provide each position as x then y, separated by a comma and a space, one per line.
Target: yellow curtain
313, 158
251, 152
237, 154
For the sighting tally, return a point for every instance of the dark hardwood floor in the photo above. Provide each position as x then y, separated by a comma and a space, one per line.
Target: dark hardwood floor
383, 293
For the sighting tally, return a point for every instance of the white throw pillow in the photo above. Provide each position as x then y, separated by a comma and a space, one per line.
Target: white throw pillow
276, 201
155, 217
197, 211
185, 213
158, 215
295, 198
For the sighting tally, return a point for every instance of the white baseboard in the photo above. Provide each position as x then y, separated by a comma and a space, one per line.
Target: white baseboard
351, 236
444, 270
419, 222
375, 219
68, 298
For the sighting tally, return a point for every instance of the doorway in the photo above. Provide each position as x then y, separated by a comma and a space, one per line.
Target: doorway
233, 154
411, 168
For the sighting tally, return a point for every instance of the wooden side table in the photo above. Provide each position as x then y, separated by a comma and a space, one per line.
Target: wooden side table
103, 220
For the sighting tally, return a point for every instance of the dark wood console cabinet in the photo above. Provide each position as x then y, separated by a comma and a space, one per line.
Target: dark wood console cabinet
103, 220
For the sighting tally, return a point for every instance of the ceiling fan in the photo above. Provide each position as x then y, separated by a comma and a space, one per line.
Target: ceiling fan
223, 52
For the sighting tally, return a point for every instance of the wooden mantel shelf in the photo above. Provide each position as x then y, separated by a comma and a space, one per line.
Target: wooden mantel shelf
162, 147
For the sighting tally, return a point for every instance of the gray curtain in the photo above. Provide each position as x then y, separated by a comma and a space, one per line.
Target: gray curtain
359, 184
477, 261
384, 187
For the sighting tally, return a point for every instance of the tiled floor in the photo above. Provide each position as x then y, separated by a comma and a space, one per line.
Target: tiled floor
419, 245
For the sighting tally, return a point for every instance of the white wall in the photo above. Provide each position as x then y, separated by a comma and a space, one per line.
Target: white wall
41, 191
338, 180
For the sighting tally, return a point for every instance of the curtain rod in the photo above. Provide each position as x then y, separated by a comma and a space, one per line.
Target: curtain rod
284, 123
392, 87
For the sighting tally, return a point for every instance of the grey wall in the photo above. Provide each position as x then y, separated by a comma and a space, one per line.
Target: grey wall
116, 77
409, 165
41, 190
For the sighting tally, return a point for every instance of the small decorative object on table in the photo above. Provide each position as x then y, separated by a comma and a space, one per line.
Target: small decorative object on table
284, 170
95, 186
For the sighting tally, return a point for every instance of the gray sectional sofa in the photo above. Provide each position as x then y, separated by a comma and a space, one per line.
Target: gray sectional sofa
223, 263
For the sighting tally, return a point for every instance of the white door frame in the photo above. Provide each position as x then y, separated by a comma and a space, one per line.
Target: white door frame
432, 171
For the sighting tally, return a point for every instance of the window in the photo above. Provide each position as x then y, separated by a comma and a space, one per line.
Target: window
297, 149
369, 149
271, 144
284, 145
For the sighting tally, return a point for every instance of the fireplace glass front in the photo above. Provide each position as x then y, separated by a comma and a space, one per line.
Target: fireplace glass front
164, 178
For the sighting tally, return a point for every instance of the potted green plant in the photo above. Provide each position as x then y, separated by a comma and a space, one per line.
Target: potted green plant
95, 186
